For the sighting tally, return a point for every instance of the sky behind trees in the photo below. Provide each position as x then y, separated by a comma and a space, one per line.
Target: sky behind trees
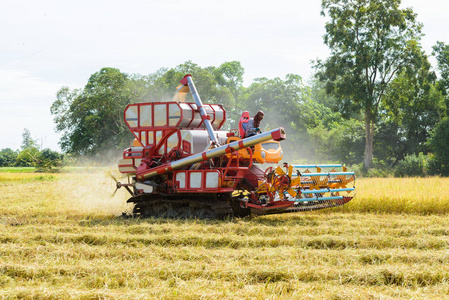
49, 44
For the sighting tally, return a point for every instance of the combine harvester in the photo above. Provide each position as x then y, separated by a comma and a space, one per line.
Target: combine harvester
182, 165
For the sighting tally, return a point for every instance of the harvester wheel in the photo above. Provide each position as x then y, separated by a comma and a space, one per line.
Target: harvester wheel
281, 182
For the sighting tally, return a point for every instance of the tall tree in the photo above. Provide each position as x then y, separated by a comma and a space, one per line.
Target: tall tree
371, 41
27, 140
441, 52
414, 106
230, 75
438, 142
8, 157
91, 119
29, 152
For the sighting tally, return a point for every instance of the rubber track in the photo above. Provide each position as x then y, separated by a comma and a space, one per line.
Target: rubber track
181, 208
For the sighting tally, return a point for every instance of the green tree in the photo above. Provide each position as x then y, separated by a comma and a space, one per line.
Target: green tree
8, 157
230, 75
91, 119
44, 161
48, 161
29, 153
27, 140
319, 95
412, 166
441, 52
341, 140
439, 144
28, 157
371, 41
413, 106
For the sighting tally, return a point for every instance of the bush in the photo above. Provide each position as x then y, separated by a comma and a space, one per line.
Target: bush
433, 166
412, 166
8, 157
44, 161
48, 161
340, 141
379, 168
27, 157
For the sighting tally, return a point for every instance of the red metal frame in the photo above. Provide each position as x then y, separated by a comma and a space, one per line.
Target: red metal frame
240, 170
203, 188
163, 141
136, 131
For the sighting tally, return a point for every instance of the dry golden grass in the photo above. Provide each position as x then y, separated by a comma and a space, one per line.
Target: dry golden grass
401, 195
61, 238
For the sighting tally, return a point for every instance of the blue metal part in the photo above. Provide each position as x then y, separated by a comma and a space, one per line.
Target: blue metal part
316, 166
327, 191
324, 174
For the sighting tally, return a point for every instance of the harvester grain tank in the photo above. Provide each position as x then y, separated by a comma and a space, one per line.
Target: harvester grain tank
182, 165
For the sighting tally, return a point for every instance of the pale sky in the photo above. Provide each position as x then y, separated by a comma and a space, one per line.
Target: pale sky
45, 45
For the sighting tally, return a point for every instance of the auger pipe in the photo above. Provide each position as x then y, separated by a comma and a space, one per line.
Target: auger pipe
187, 80
275, 134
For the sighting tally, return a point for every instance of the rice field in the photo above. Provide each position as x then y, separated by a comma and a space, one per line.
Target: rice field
62, 237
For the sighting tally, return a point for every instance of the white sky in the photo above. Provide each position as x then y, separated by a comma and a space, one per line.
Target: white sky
46, 44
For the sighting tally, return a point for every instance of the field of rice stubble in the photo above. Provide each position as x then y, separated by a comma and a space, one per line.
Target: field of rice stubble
62, 237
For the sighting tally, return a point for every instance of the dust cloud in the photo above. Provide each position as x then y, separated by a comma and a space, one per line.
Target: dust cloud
297, 147
90, 190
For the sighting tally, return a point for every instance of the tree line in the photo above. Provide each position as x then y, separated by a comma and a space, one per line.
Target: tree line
375, 103
30, 155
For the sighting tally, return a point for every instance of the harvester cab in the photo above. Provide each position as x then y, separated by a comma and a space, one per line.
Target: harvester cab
182, 165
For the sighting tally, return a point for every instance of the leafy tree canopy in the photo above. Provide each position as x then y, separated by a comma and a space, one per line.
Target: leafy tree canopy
91, 118
440, 148
8, 157
412, 106
27, 140
371, 41
441, 51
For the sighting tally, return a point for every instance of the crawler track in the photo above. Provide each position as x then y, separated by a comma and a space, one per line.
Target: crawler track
199, 208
